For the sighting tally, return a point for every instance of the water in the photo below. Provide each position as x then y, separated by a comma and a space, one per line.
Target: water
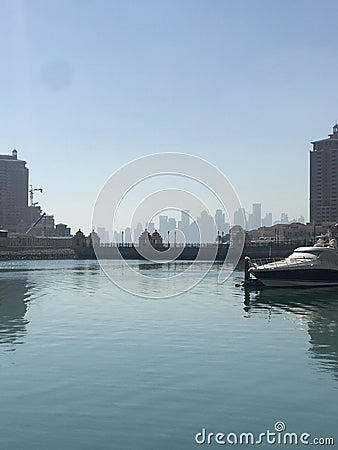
84, 365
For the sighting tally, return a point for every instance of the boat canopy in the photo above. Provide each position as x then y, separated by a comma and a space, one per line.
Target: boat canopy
303, 255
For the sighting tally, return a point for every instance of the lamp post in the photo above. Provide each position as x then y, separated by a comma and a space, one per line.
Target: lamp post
314, 233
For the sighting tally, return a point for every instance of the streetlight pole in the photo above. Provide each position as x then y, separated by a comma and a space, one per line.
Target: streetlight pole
314, 233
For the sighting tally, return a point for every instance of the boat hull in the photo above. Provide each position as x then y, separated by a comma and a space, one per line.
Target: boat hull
306, 277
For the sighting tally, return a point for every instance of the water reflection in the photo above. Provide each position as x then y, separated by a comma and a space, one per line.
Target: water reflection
83, 278
316, 308
150, 266
13, 306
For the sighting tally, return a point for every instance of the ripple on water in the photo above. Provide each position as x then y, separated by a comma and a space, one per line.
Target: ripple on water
94, 367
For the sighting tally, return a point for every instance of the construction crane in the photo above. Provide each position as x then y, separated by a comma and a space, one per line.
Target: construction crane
35, 223
31, 194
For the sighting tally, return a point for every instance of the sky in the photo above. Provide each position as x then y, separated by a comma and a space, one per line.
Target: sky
87, 87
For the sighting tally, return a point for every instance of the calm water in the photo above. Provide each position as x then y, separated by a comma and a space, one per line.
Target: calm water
84, 365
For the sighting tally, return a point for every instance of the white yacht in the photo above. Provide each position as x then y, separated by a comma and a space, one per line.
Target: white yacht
306, 266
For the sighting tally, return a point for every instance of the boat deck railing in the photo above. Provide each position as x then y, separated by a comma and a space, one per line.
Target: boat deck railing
264, 261
272, 263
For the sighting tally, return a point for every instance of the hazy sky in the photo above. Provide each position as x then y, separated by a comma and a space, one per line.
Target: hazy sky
87, 86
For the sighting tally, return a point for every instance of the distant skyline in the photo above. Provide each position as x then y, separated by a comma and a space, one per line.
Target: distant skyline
186, 229
87, 87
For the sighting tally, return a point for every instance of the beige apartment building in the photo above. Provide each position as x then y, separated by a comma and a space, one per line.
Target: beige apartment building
323, 179
13, 192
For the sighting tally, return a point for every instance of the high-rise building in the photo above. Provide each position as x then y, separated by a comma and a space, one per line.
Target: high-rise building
14, 210
103, 234
239, 218
220, 220
150, 227
184, 225
267, 220
284, 218
207, 227
127, 236
185, 217
117, 237
249, 222
138, 230
323, 179
171, 224
163, 225
256, 215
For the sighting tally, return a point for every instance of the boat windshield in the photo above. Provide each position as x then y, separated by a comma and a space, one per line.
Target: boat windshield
303, 255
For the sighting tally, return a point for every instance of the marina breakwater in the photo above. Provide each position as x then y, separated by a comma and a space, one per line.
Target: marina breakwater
37, 254
81, 247
206, 252
132, 253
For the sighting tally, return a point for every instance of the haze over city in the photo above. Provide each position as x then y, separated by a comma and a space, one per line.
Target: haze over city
88, 87
168, 224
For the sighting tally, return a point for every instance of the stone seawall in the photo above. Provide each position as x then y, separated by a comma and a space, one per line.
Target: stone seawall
205, 253
188, 253
37, 253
